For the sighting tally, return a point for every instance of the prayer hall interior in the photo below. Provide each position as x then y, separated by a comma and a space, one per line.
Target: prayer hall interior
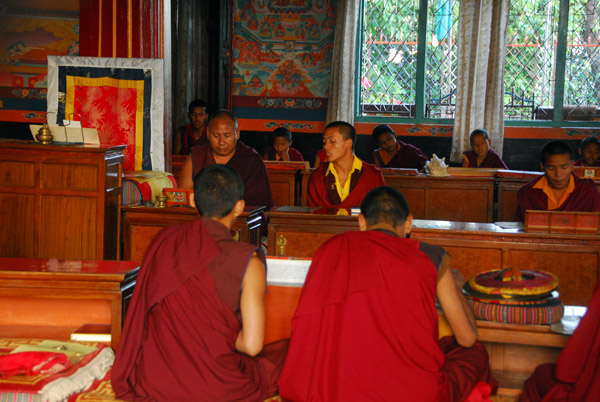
76, 219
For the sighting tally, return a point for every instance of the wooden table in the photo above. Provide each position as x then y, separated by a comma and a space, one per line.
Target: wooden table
60, 201
473, 247
141, 224
50, 298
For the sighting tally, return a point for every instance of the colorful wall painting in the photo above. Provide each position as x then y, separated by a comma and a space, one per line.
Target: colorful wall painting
281, 63
29, 32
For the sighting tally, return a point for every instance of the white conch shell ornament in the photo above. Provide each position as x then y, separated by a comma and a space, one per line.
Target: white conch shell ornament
436, 166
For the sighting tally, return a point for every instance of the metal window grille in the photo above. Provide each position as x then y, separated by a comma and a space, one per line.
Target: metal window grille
389, 57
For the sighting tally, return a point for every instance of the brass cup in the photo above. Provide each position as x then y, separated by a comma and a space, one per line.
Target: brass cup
160, 199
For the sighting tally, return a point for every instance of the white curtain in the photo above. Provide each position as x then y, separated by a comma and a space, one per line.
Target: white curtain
341, 85
480, 81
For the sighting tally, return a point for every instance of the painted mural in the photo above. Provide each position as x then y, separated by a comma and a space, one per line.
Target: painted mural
281, 62
30, 31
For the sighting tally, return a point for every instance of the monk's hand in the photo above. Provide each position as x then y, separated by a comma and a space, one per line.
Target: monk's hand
285, 156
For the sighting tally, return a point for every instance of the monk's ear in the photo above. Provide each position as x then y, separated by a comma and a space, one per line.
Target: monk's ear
239, 208
407, 226
192, 200
362, 222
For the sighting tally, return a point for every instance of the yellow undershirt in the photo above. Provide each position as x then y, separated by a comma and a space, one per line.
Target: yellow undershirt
553, 203
344, 190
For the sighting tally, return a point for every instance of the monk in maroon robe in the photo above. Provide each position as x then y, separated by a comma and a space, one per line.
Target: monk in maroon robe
282, 149
344, 180
366, 325
393, 153
194, 133
196, 323
225, 148
481, 155
576, 374
558, 189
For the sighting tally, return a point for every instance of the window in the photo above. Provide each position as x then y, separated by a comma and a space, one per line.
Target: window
553, 62
394, 79
408, 60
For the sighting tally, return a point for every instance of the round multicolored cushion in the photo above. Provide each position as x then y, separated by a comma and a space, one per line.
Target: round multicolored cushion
544, 313
510, 282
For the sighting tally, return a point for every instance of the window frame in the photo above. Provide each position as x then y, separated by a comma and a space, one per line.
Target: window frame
559, 85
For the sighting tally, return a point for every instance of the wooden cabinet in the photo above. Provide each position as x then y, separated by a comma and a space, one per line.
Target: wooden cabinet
51, 298
60, 201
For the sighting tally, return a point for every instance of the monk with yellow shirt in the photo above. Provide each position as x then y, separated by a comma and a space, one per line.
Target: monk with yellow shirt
558, 189
343, 180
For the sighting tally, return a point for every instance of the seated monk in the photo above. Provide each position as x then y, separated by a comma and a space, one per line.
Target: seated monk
366, 325
343, 180
224, 148
393, 153
282, 149
196, 324
589, 151
194, 133
481, 155
558, 189
576, 374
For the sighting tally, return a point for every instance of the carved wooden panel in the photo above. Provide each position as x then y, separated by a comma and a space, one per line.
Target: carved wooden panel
17, 227
460, 204
576, 270
13, 173
69, 176
417, 201
68, 227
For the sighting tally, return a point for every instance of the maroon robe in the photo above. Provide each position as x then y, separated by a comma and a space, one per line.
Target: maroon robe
408, 157
322, 192
576, 374
248, 163
188, 141
179, 337
295, 155
584, 198
492, 160
366, 328
579, 162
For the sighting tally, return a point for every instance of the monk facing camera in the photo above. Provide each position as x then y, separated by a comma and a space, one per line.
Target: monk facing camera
196, 324
558, 189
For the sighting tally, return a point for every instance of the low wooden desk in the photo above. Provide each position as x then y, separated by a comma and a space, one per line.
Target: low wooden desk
141, 224
285, 186
473, 247
507, 187
453, 198
50, 298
